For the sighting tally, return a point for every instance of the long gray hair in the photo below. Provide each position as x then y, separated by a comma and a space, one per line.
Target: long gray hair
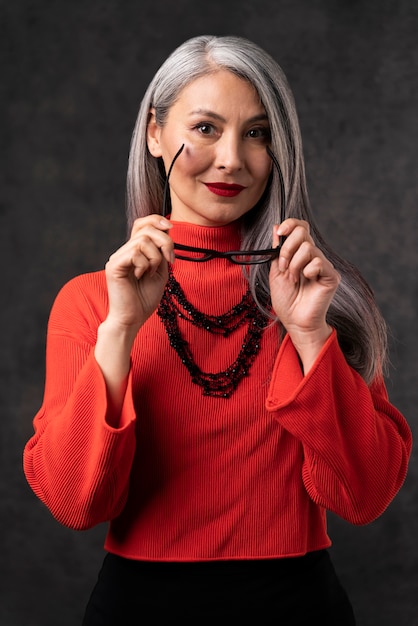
353, 312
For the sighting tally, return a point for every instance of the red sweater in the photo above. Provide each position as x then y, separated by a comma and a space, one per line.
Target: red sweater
193, 477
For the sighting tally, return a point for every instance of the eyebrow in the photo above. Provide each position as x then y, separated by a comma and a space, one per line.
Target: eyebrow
262, 117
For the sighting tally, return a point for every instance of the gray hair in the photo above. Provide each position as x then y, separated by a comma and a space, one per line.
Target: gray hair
353, 311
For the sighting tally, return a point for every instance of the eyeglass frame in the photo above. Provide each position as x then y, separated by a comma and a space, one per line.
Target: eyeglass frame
208, 254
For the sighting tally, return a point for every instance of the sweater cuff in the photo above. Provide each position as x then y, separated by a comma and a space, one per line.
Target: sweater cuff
127, 414
288, 379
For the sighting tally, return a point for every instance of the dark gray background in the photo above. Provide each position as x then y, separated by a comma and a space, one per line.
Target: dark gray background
72, 77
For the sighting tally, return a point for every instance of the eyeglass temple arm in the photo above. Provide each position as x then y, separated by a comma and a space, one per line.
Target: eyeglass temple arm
282, 188
271, 155
166, 180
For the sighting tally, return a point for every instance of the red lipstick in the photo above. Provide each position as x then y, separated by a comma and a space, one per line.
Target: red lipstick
225, 189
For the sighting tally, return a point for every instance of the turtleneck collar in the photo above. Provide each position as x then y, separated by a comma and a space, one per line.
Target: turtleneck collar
221, 238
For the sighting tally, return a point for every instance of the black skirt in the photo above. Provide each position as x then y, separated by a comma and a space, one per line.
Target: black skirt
297, 591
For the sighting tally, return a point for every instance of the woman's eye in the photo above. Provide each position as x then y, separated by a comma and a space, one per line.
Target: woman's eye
259, 133
205, 129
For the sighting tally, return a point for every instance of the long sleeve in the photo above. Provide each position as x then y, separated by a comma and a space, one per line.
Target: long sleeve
356, 444
188, 476
76, 463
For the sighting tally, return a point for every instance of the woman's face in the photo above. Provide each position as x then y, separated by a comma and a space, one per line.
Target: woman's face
224, 167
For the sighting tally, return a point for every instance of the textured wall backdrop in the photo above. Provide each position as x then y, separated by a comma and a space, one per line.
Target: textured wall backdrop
72, 76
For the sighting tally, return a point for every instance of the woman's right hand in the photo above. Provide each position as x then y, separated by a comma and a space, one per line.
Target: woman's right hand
137, 272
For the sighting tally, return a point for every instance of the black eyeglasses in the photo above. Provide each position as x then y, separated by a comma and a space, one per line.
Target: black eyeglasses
240, 257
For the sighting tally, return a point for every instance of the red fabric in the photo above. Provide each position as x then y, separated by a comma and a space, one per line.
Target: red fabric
191, 477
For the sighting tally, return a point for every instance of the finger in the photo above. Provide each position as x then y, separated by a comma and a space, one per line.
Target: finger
289, 225
138, 256
151, 221
292, 244
146, 228
310, 261
315, 269
146, 257
322, 270
276, 236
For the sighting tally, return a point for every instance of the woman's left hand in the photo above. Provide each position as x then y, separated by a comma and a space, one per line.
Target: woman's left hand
302, 285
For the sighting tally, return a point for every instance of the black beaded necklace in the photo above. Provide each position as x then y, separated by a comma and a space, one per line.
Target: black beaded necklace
174, 305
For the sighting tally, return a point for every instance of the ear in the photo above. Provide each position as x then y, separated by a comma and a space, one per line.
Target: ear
153, 135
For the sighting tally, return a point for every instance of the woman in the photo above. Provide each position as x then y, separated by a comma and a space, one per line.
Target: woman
220, 385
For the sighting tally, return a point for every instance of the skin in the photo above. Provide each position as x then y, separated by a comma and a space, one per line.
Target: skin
225, 130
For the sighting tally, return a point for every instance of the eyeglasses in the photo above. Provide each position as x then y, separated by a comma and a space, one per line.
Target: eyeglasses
240, 257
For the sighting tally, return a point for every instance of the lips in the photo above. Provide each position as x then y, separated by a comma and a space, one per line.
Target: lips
227, 190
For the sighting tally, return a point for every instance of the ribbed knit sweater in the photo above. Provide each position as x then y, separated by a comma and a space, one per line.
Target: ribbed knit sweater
192, 477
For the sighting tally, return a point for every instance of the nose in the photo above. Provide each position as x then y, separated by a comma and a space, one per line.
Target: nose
229, 153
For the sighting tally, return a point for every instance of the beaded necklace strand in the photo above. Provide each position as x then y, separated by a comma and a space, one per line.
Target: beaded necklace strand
174, 305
